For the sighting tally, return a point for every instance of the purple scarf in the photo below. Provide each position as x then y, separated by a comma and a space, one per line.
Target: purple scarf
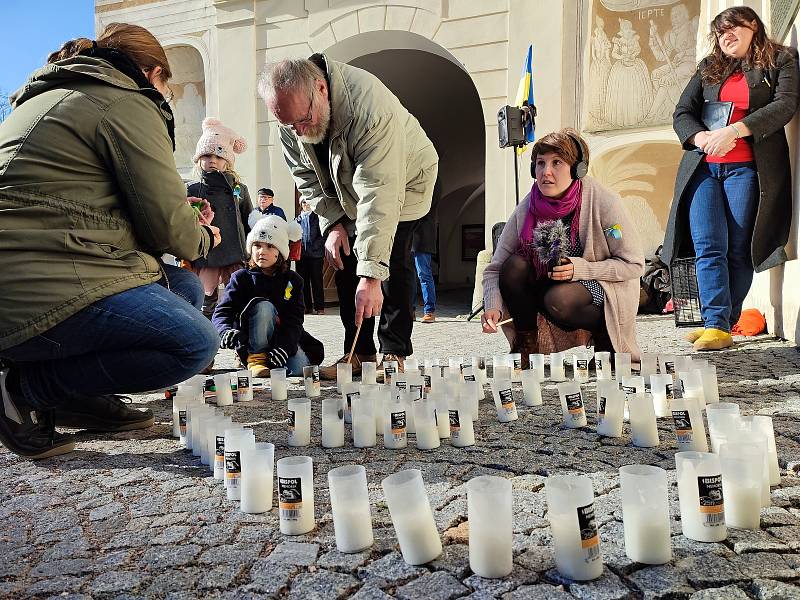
543, 209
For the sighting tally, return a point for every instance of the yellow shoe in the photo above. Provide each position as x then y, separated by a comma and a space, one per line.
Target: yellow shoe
257, 364
695, 334
713, 339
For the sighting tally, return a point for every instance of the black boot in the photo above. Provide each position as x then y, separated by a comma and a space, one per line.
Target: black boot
28, 432
210, 303
103, 413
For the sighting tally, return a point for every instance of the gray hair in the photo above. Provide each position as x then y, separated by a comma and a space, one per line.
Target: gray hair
288, 74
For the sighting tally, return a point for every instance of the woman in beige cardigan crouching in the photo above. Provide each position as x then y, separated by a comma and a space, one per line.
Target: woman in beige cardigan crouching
595, 284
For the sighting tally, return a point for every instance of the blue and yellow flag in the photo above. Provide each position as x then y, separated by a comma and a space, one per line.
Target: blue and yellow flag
525, 94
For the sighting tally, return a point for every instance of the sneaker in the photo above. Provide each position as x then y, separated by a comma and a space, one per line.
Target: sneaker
713, 339
257, 364
103, 413
694, 335
329, 373
27, 432
429, 318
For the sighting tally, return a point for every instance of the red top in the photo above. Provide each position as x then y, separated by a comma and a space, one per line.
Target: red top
735, 90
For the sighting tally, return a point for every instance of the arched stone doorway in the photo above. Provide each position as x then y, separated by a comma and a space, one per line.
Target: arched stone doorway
189, 103
437, 90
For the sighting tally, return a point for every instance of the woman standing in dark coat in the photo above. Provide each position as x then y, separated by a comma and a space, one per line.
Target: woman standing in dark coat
734, 187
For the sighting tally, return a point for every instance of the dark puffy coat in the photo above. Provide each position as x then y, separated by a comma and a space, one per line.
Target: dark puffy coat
285, 291
231, 208
313, 244
773, 103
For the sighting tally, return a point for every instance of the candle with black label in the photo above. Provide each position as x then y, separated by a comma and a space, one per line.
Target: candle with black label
504, 400
462, 432
580, 368
576, 540
311, 381
332, 423
425, 418
602, 365
610, 408
389, 371
700, 496
661, 388
536, 362
394, 425
441, 405
690, 433
299, 423
296, 494
237, 439
572, 408
244, 389
215, 441
349, 391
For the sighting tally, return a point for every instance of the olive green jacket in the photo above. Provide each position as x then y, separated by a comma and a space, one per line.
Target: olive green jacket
381, 166
89, 196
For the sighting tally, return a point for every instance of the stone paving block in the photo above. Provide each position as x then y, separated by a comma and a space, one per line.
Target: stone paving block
221, 576
294, 554
497, 587
767, 589
454, 560
767, 565
606, 587
432, 586
169, 556
339, 561
54, 568
664, 581
540, 591
256, 533
269, 578
789, 535
74, 548
755, 540
129, 539
176, 580
370, 592
213, 535
116, 581
710, 570
231, 553
390, 570
62, 584
172, 535
174, 518
729, 592
774, 516
322, 585
106, 561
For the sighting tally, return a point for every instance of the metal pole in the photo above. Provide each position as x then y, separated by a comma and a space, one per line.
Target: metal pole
516, 174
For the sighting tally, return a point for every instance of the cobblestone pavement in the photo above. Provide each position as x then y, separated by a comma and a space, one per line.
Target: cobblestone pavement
133, 515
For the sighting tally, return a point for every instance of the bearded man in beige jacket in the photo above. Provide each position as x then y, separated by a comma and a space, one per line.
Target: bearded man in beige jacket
366, 167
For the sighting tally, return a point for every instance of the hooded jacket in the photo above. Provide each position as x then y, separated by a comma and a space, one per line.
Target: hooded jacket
89, 195
380, 167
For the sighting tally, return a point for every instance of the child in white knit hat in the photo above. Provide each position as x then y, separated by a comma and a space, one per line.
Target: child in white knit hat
214, 159
260, 314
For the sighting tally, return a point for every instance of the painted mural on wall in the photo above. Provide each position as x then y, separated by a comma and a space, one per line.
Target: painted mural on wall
641, 55
189, 103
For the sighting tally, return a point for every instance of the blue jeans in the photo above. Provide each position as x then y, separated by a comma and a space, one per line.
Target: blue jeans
422, 260
262, 318
145, 338
722, 211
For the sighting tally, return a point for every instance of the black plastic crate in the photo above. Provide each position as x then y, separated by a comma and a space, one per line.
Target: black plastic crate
685, 293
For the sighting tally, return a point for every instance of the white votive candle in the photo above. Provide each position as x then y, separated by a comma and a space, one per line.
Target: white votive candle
700, 496
479, 369
531, 388
311, 381
179, 402
489, 510
644, 430
219, 430
602, 365
257, 478
462, 431
278, 384
244, 387
645, 514
427, 433
368, 372
666, 364
580, 368
763, 424
441, 405
199, 413
723, 419
572, 408
741, 483
222, 383
690, 433
661, 388
622, 365
344, 374
570, 508
395, 434
708, 376
332, 423
692, 385
363, 422
610, 406
299, 423
349, 391
412, 517
504, 400
515, 362
239, 440
352, 522
748, 435
536, 362
389, 371
557, 366
296, 494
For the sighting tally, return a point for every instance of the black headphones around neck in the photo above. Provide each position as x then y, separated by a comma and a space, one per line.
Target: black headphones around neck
576, 171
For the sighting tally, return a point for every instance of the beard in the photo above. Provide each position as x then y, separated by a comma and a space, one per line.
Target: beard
317, 133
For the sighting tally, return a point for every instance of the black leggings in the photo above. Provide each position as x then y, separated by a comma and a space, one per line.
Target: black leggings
568, 305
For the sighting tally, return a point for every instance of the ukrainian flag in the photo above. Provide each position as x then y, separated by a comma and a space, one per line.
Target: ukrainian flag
525, 94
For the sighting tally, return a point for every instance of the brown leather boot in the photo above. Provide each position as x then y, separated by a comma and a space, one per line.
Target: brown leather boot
526, 343
329, 373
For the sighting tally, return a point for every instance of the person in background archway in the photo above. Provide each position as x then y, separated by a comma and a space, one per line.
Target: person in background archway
90, 196
366, 167
265, 206
596, 286
423, 247
734, 182
309, 267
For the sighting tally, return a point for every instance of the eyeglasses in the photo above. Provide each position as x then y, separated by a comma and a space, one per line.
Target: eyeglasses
305, 121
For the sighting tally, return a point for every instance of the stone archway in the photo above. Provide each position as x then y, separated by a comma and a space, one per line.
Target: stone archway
188, 84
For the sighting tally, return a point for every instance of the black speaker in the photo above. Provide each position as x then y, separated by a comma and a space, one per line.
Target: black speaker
510, 126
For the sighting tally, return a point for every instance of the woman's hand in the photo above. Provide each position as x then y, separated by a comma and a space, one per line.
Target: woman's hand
563, 271
217, 236
203, 209
720, 141
490, 319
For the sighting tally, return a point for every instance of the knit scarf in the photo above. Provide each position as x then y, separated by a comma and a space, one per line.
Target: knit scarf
542, 209
124, 64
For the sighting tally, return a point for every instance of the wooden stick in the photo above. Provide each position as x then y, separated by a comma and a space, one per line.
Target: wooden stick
355, 340
504, 322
